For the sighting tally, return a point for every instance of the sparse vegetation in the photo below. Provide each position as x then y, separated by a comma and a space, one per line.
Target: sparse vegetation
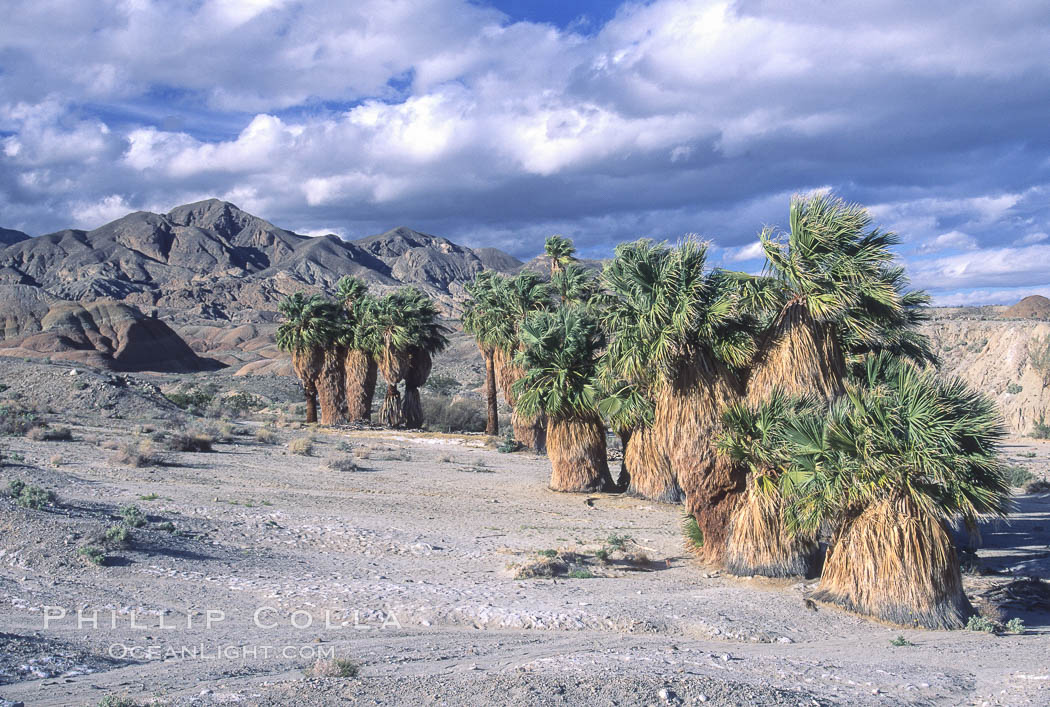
303, 446
692, 534
335, 668
1013, 389
190, 442
117, 701
137, 454
167, 526
1014, 625
901, 641
265, 435
442, 384
118, 534
982, 624
341, 462
1039, 356
16, 421
92, 554
132, 516
46, 433
29, 495
194, 400
1018, 476
442, 414
1041, 430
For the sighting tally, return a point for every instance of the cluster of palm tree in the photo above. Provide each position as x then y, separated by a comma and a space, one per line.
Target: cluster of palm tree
339, 347
790, 411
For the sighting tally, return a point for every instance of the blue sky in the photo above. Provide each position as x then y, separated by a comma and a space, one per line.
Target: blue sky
498, 123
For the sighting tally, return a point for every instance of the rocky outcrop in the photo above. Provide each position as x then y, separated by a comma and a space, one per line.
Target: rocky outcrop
1034, 307
102, 333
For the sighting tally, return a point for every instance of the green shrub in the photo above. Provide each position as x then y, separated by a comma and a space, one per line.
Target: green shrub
118, 534
335, 668
1041, 430
16, 422
264, 435
1015, 625
1013, 389
166, 526
29, 495
132, 516
581, 574
980, 623
694, 536
509, 445
92, 554
1018, 476
117, 701
194, 400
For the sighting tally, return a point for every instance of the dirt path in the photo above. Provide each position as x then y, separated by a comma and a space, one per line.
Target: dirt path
407, 559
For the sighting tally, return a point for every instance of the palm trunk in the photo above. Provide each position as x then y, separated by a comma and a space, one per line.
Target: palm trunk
687, 422
307, 364
800, 357
491, 406
331, 387
576, 446
361, 372
419, 367
897, 564
649, 469
394, 366
759, 543
531, 432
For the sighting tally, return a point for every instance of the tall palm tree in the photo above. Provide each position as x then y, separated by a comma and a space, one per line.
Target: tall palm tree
408, 326
559, 355
303, 333
755, 436
573, 283
331, 379
519, 297
362, 342
830, 289
676, 328
483, 319
560, 250
901, 456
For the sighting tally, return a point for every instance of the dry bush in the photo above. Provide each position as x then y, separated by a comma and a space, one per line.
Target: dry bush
446, 459
46, 433
56, 460
363, 452
335, 668
541, 567
264, 435
341, 462
303, 446
190, 442
137, 454
443, 414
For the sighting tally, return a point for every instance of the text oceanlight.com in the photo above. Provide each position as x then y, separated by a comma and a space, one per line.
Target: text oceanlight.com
125, 651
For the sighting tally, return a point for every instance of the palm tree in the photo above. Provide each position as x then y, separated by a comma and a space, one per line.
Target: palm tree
362, 343
560, 250
331, 379
519, 297
900, 457
573, 283
675, 328
559, 356
754, 436
483, 319
830, 290
303, 333
408, 326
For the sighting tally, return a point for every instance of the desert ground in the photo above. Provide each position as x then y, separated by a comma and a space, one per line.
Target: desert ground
409, 554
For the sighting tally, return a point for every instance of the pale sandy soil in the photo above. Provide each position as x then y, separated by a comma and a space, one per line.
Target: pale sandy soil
422, 537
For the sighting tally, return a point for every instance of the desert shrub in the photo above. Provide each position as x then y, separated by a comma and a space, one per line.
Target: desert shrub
167, 526
264, 435
442, 384
16, 422
1013, 389
509, 445
335, 668
363, 452
237, 405
92, 554
901, 641
581, 574
132, 516
303, 446
195, 400
190, 442
341, 462
980, 623
1041, 430
117, 701
1038, 486
137, 454
977, 346
1018, 476
45, 433
118, 534
446, 459
29, 495
442, 414
1014, 625
344, 446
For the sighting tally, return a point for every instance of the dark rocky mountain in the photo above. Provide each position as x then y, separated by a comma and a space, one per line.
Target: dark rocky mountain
9, 236
212, 258
207, 267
